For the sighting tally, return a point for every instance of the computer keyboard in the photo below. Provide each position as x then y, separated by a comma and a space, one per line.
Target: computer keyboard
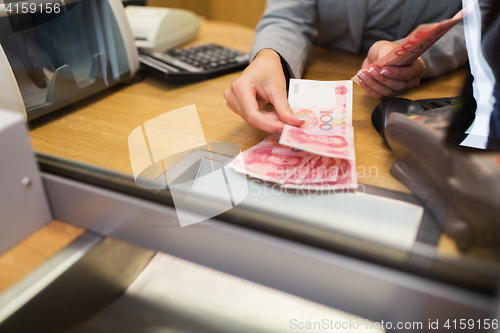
194, 63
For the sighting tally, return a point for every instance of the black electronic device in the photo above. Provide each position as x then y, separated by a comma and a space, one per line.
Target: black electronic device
194, 63
381, 113
459, 186
133, 3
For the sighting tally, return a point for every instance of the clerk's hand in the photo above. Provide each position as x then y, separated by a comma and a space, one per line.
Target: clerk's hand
388, 81
262, 82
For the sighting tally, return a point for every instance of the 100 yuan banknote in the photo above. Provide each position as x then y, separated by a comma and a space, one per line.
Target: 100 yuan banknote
326, 108
346, 180
270, 161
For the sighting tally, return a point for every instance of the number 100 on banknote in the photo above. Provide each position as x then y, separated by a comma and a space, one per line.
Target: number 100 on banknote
326, 108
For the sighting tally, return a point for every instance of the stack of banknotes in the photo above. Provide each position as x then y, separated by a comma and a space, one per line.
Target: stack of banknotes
317, 156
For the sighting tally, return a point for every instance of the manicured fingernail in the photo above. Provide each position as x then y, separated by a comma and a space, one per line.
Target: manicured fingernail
385, 72
361, 83
362, 75
373, 72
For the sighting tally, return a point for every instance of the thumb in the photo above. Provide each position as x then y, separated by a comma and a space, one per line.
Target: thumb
283, 109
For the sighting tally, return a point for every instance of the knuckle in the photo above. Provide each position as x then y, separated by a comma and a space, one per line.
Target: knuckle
411, 83
230, 107
396, 73
284, 110
423, 64
374, 94
267, 128
390, 93
384, 90
238, 84
235, 85
251, 119
401, 86
415, 83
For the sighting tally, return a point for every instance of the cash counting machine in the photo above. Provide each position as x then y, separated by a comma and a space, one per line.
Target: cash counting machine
85, 48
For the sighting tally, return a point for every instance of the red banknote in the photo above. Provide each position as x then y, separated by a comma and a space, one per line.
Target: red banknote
302, 174
326, 108
326, 169
346, 180
270, 161
295, 169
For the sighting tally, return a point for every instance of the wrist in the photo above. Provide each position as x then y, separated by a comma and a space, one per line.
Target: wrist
268, 54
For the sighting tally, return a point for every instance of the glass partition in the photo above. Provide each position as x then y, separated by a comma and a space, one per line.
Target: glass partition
89, 141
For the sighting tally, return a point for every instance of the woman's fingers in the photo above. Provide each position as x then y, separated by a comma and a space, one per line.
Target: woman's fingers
388, 81
263, 81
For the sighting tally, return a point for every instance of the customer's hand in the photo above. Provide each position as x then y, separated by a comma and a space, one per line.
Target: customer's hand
262, 82
388, 81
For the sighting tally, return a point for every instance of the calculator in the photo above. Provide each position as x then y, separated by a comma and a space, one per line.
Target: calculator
194, 63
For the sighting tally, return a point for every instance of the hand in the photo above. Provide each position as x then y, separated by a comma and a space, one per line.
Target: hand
388, 81
262, 82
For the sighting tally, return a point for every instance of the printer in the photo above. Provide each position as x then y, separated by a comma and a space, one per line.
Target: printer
52, 56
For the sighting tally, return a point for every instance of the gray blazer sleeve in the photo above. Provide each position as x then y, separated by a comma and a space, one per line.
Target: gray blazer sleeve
287, 27
447, 54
